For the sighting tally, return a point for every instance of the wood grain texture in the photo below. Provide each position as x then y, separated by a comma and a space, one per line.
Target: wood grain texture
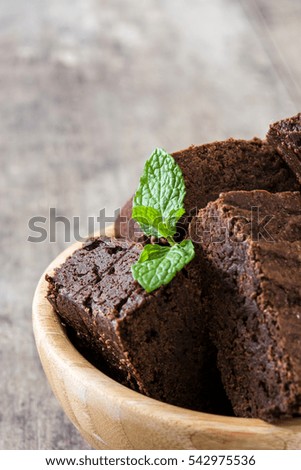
86, 92
111, 416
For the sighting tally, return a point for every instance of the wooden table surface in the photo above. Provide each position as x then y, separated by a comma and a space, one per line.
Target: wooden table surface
87, 90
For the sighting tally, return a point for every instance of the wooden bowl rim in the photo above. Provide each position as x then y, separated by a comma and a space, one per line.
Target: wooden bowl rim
50, 336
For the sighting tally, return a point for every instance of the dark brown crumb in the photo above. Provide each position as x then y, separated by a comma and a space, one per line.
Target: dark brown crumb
218, 167
254, 298
156, 343
285, 136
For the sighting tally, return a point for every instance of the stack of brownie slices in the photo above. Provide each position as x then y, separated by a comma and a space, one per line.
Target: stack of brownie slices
224, 336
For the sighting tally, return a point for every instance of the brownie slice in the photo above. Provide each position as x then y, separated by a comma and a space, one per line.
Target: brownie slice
285, 136
252, 244
156, 343
218, 167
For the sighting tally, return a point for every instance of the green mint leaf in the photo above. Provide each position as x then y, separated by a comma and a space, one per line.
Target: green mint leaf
151, 222
158, 265
162, 187
174, 217
148, 218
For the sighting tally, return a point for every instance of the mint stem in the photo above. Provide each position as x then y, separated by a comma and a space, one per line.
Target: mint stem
171, 241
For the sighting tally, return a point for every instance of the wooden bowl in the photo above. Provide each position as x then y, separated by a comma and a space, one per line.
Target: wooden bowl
111, 416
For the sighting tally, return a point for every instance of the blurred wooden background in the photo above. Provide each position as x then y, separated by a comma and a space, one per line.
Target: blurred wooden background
87, 89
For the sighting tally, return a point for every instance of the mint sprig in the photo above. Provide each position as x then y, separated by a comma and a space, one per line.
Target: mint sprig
157, 207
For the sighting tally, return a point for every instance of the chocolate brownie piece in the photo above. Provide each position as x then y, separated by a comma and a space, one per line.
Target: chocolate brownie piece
252, 244
285, 136
218, 167
156, 343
